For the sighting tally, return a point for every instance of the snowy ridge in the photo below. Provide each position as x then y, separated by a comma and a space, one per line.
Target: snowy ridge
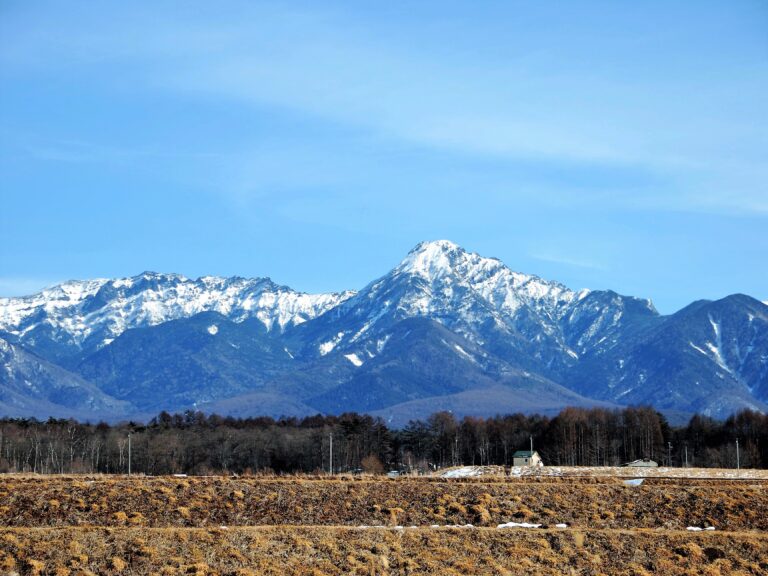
13, 311
77, 310
443, 281
478, 298
443, 263
443, 316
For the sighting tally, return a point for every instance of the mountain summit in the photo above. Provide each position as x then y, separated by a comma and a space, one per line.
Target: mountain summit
80, 317
443, 263
445, 329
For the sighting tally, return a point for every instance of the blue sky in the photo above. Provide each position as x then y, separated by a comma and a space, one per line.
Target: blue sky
617, 145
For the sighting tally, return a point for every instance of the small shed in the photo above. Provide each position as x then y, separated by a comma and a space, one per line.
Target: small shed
643, 463
526, 458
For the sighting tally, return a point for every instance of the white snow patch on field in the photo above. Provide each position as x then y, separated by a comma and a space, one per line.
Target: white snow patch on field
627, 472
465, 472
634, 482
518, 525
470, 471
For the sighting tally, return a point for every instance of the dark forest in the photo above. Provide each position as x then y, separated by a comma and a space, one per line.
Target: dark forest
195, 443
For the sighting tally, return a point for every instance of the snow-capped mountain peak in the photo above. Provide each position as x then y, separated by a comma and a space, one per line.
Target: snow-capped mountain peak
440, 258
477, 297
444, 262
443, 319
100, 310
432, 259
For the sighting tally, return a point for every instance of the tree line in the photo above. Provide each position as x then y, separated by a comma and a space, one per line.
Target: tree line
196, 443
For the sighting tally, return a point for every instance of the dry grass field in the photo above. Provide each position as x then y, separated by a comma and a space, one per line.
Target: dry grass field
82, 525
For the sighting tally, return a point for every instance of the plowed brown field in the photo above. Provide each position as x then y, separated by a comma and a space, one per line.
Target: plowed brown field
365, 525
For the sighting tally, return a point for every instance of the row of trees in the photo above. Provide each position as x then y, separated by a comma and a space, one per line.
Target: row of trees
194, 443
591, 437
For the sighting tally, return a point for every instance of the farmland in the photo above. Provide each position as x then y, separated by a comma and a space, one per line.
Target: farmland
588, 524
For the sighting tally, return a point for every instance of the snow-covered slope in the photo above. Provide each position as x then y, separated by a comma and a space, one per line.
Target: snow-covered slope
446, 267
443, 329
32, 386
90, 314
711, 357
521, 318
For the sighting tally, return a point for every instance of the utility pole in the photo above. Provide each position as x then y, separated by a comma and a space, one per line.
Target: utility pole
531, 445
330, 460
669, 452
738, 462
686, 455
455, 459
129, 453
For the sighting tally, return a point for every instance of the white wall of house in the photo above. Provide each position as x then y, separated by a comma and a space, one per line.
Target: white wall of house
534, 460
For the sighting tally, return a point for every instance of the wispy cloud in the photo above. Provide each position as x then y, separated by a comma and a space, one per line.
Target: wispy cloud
566, 261
327, 67
86, 152
524, 102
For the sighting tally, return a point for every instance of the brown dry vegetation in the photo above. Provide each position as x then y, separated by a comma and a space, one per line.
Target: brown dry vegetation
585, 503
343, 550
67, 526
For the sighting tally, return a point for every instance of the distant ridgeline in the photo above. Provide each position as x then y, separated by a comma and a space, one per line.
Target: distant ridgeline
194, 443
446, 329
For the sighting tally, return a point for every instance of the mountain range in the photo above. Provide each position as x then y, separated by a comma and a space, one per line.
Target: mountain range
446, 329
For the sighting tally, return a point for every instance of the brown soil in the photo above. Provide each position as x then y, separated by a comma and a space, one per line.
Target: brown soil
342, 550
200, 502
68, 526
